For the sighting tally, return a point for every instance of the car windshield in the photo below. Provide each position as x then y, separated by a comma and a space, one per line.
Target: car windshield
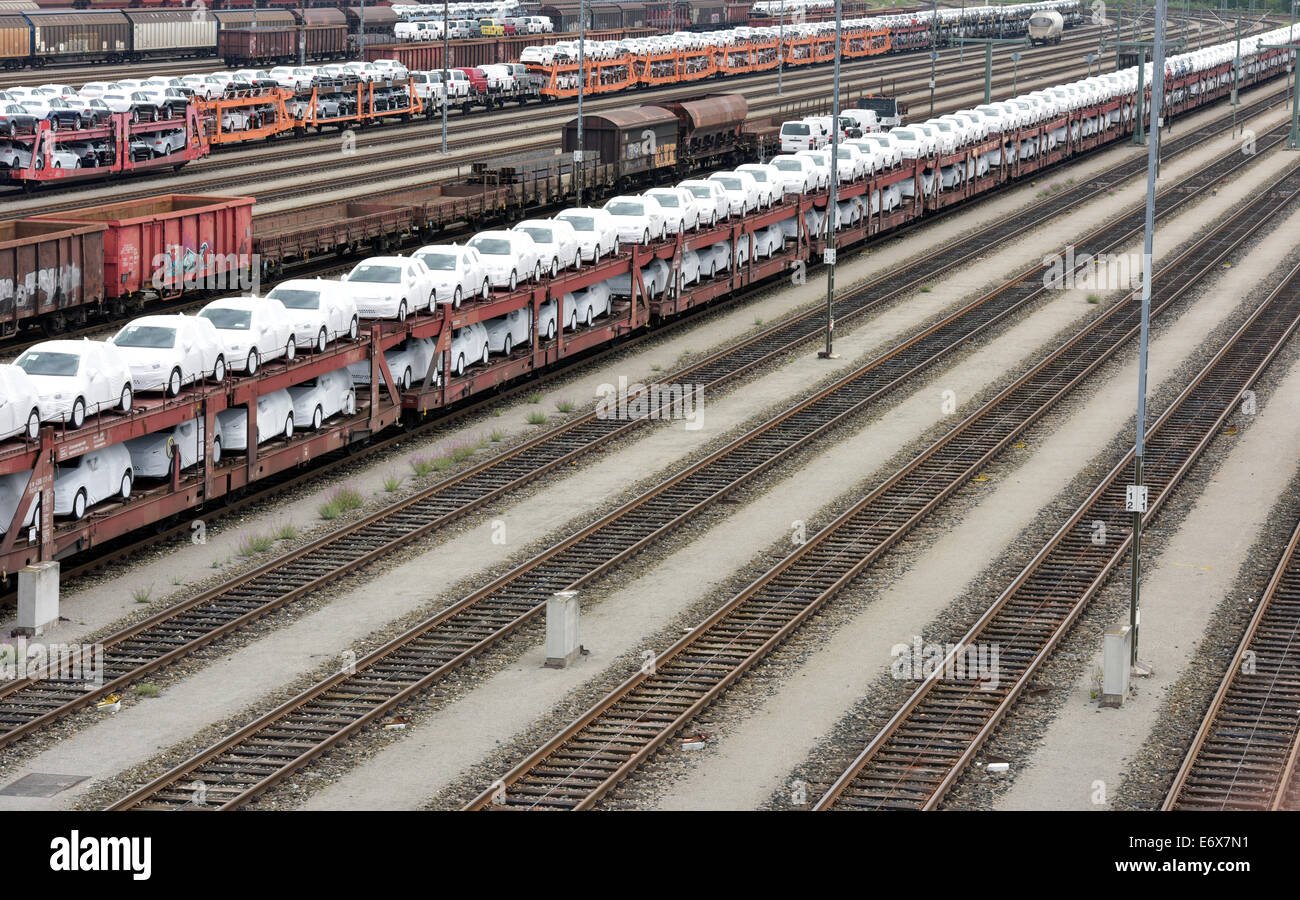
537, 233
43, 362
668, 200
759, 174
581, 223
439, 262
156, 336
229, 319
906, 135
376, 274
492, 246
296, 298
787, 165
844, 153
699, 190
731, 184
626, 208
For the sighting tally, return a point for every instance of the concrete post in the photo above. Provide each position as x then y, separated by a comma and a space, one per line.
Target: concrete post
1117, 646
562, 637
38, 598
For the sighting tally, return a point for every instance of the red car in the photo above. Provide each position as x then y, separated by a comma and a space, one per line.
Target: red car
478, 82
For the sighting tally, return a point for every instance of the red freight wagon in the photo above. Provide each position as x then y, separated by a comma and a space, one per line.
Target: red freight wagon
173, 243
50, 272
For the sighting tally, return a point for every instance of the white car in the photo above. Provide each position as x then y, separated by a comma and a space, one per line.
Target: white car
12, 488
557, 243
152, 454
457, 271
91, 478
507, 332
862, 164
711, 197
742, 191
510, 257
20, 412
320, 311
595, 230
166, 353
469, 345
768, 176
943, 142
822, 160
889, 147
639, 220
681, 209
296, 78
915, 144
253, 330
768, 240
799, 135
77, 378
409, 364
390, 287
316, 399
583, 307
274, 419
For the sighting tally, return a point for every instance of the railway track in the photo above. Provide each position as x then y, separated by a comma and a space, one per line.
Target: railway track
1033, 73
919, 754
1245, 754
270, 748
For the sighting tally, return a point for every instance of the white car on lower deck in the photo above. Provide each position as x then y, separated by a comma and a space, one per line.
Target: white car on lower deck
317, 399
274, 419
93, 477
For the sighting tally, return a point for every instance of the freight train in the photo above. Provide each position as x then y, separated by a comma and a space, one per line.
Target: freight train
95, 248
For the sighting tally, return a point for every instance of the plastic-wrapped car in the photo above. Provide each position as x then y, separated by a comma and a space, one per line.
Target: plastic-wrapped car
317, 399
166, 353
92, 478
319, 309
20, 412
274, 419
74, 379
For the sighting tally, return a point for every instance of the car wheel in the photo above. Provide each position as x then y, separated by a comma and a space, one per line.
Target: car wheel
317, 417
219, 370
645, 238
509, 345
322, 340
555, 266
79, 505
401, 311
253, 359
550, 330
216, 450
537, 271
124, 400
174, 383
487, 289
125, 488
590, 316
573, 320
577, 259
617, 247
288, 427
514, 280
354, 329
455, 298
77, 417
486, 353
290, 350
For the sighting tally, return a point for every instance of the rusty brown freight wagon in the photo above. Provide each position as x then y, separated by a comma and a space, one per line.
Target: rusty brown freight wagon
15, 40
50, 272
634, 140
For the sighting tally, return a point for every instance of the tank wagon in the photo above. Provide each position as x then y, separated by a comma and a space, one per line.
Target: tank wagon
1046, 27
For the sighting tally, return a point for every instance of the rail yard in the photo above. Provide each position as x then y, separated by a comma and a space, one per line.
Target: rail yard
776, 407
